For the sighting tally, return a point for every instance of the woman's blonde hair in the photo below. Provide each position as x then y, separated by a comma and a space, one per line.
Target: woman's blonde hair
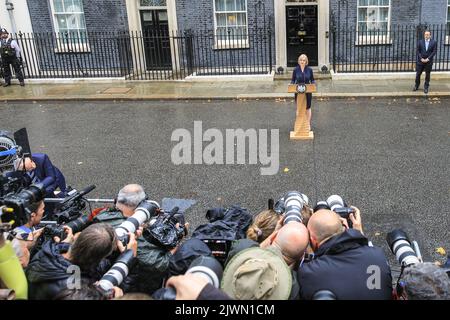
263, 225
305, 57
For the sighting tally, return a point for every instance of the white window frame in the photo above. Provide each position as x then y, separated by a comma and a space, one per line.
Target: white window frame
230, 44
362, 40
62, 46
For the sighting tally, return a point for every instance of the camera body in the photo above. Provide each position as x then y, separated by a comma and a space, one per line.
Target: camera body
291, 205
337, 204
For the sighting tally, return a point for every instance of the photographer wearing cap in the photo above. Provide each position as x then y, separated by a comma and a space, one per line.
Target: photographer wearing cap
152, 261
344, 262
10, 54
54, 268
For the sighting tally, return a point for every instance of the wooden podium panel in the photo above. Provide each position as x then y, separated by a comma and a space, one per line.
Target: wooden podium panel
302, 130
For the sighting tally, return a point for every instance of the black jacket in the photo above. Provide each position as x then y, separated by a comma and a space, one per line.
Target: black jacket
422, 51
48, 271
345, 265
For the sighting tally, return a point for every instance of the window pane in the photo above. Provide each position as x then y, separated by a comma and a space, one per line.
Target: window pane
363, 2
362, 14
220, 5
62, 24
241, 19
384, 2
221, 19
240, 5
58, 6
67, 3
232, 19
221, 33
153, 3
162, 15
362, 27
230, 5
373, 2
384, 14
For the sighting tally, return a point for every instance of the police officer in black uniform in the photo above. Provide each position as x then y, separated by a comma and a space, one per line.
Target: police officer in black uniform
10, 54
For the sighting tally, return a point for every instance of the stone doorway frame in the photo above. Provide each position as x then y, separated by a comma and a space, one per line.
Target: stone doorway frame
323, 32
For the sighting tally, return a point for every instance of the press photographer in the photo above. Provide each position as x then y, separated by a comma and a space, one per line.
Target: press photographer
60, 265
343, 260
152, 259
418, 280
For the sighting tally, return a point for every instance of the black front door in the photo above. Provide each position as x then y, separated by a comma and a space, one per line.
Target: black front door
155, 30
301, 32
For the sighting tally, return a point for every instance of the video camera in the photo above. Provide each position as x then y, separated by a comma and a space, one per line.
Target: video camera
166, 230
15, 205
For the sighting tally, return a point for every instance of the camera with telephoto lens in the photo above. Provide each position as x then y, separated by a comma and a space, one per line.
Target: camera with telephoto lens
337, 204
143, 213
291, 205
53, 229
16, 205
406, 252
118, 272
206, 267
166, 230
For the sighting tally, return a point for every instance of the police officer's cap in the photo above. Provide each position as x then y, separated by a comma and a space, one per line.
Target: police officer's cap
3, 30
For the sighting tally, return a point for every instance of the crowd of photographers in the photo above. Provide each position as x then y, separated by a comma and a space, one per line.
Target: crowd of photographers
136, 250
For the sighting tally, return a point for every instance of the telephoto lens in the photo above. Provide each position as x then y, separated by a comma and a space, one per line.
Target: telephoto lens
79, 224
335, 202
118, 272
321, 205
400, 246
293, 205
324, 295
203, 266
143, 213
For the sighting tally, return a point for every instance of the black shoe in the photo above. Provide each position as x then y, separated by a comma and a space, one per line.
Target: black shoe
22, 84
425, 90
7, 84
415, 88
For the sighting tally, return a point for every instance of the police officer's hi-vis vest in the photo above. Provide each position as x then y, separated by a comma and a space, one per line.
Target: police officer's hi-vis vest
6, 50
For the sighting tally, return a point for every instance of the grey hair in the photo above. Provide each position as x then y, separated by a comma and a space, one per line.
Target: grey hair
131, 195
426, 281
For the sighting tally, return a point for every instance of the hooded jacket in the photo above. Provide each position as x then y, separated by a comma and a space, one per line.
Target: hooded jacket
347, 266
47, 273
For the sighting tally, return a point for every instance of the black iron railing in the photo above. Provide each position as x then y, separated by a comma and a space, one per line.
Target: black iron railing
392, 50
152, 55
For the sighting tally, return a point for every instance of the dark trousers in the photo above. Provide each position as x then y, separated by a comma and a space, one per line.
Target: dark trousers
6, 62
419, 69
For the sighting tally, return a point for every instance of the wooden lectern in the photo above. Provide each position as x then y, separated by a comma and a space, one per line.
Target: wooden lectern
302, 131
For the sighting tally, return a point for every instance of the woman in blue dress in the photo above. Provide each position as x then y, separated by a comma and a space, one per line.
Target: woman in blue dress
304, 74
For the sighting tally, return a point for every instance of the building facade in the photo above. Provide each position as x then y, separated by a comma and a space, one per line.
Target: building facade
199, 36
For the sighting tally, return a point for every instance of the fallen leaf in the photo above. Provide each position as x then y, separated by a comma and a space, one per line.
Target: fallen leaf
441, 251
80, 162
286, 170
415, 118
377, 234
